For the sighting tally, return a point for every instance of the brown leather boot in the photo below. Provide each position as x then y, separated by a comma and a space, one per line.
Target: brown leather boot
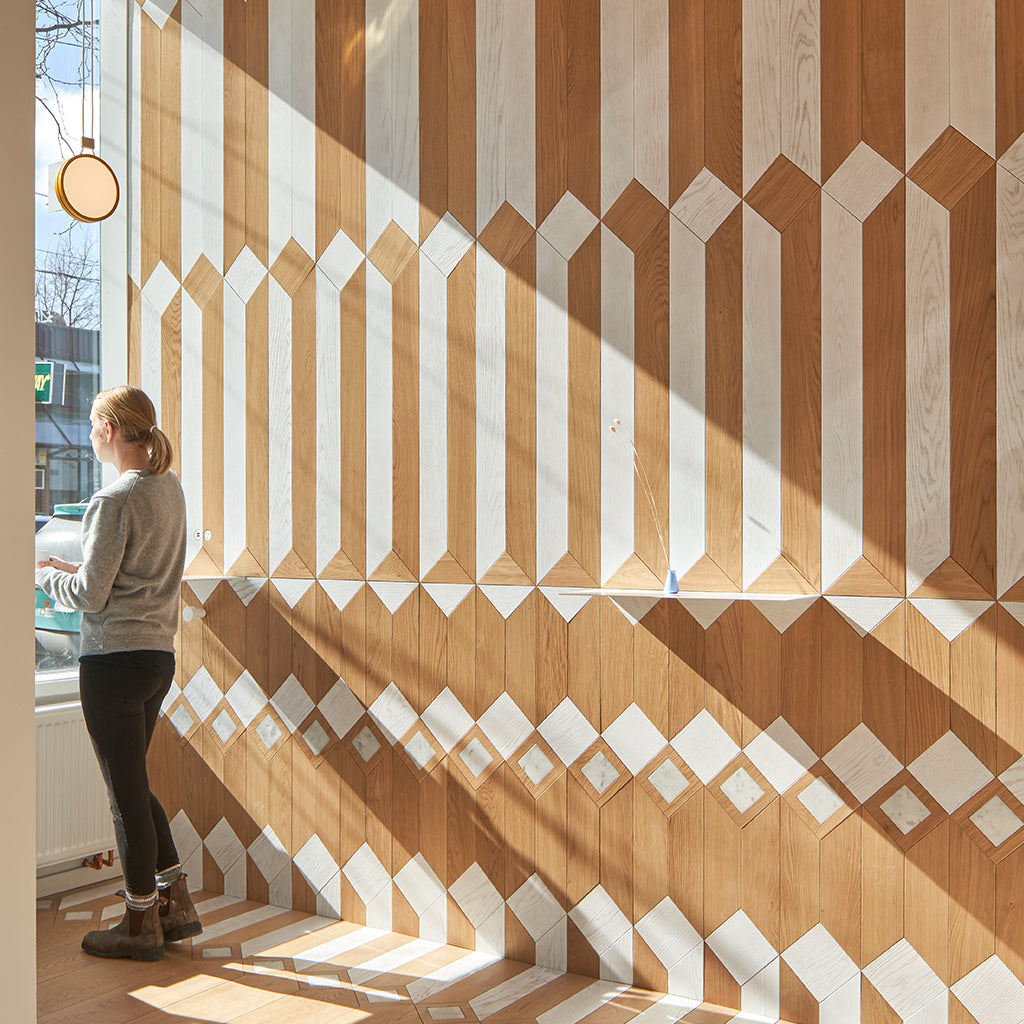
138, 936
178, 917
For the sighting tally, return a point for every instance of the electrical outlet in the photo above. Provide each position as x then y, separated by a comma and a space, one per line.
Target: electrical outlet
197, 534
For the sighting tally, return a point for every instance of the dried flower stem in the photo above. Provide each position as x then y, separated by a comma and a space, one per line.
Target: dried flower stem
641, 475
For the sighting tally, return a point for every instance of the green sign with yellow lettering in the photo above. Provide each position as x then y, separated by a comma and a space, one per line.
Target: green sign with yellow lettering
44, 383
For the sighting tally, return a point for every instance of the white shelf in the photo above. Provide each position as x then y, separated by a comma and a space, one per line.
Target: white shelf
686, 595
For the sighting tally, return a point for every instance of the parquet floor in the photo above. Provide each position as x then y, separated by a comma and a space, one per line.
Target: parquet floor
264, 965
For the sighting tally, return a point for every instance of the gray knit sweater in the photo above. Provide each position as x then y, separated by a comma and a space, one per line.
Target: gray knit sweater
127, 587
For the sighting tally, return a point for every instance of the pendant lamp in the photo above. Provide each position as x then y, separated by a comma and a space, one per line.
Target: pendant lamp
85, 185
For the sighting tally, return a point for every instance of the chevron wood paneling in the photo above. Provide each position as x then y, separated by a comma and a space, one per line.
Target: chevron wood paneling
395, 270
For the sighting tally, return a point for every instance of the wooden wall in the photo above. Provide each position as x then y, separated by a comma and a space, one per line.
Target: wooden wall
396, 267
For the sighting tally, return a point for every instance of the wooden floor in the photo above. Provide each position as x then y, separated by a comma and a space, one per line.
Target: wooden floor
256, 964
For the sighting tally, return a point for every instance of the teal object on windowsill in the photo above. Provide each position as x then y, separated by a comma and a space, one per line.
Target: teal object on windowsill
49, 617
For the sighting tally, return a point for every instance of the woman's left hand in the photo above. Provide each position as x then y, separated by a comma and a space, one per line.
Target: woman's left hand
57, 563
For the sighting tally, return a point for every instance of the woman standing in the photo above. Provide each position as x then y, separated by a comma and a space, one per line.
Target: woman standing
127, 588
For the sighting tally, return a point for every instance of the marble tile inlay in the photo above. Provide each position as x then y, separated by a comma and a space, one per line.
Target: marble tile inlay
366, 743
742, 790
669, 781
420, 750
316, 738
996, 821
536, 764
268, 732
475, 757
905, 810
182, 719
600, 772
223, 726
821, 800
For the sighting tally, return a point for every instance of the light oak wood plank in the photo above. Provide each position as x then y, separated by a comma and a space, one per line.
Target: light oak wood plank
973, 688
841, 885
1009, 375
617, 396
724, 401
586, 429
884, 692
972, 904
972, 369
257, 437
651, 395
842, 38
723, 870
521, 410
762, 395
405, 514
972, 72
928, 384
584, 85
762, 876
256, 139
883, 892
618, 89
686, 95
928, 684
928, 73
552, 104
885, 393
762, 88
800, 87
462, 105
928, 904
842, 390
801, 393
651, 98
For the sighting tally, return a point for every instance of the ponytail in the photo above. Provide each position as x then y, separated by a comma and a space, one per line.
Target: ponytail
161, 451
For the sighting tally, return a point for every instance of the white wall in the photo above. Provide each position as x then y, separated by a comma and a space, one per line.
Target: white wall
17, 455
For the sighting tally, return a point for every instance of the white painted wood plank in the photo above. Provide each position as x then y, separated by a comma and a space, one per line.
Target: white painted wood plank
617, 400
1009, 376
279, 356
149, 356
762, 88
490, 410
801, 84
926, 73
928, 385
490, 110
191, 137
234, 427
212, 113
687, 376
279, 126
433, 415
380, 142
405, 74
521, 107
552, 407
328, 420
135, 159
762, 396
379, 425
650, 102
192, 420
617, 89
303, 125
842, 390
972, 71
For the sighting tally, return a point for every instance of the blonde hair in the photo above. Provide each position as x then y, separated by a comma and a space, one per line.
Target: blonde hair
131, 411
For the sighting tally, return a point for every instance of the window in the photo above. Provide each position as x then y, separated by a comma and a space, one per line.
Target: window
69, 294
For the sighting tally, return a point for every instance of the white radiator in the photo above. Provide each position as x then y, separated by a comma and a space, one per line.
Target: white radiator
72, 809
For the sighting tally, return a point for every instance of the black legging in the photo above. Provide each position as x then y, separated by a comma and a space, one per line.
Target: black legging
121, 698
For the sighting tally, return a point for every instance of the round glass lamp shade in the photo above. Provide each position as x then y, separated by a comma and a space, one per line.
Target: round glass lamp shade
87, 188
